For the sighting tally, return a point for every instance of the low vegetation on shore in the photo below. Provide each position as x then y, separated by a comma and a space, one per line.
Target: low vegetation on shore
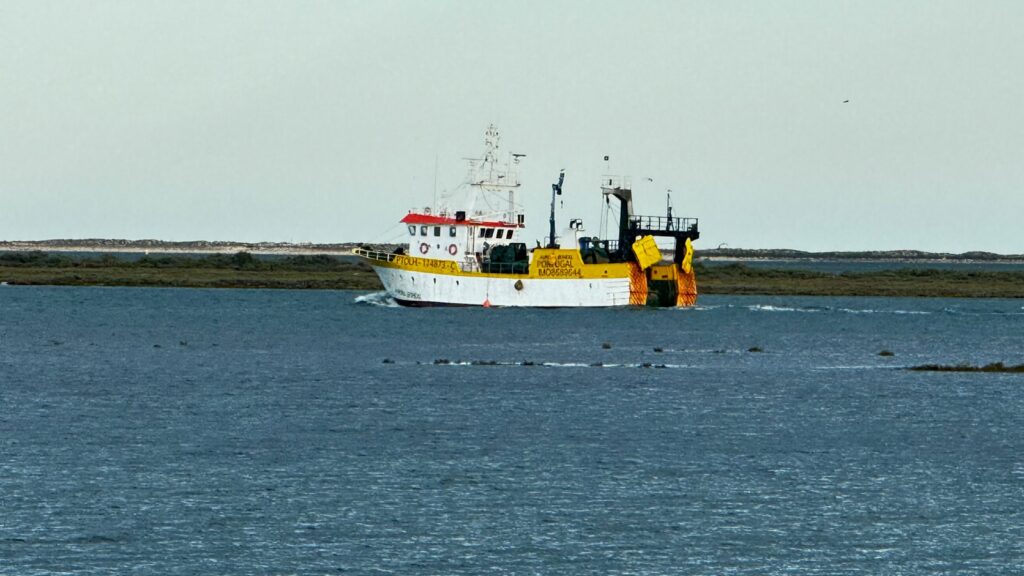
240, 270
922, 282
243, 270
865, 255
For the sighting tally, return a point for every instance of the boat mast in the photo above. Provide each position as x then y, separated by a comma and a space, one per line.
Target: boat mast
622, 190
556, 190
668, 205
491, 178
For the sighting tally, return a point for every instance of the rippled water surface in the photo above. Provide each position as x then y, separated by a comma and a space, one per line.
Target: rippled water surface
155, 431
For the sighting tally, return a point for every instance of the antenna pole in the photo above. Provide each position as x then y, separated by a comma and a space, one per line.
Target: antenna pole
435, 181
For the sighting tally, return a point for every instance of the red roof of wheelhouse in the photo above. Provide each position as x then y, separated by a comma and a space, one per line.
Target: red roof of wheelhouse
430, 219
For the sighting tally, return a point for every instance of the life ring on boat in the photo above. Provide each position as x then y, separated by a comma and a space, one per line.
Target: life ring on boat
424, 248
453, 249
518, 285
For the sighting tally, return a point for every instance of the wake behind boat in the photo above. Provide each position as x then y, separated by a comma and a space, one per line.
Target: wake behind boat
473, 257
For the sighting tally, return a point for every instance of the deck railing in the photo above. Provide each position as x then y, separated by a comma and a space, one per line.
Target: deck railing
375, 255
663, 223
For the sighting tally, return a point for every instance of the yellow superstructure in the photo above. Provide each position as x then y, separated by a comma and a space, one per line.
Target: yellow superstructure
551, 263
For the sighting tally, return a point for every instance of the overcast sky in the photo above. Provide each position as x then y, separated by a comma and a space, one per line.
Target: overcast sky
313, 121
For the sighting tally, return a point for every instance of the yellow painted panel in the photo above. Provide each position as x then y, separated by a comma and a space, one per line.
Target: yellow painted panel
688, 259
637, 285
606, 270
647, 253
686, 288
556, 263
547, 263
663, 272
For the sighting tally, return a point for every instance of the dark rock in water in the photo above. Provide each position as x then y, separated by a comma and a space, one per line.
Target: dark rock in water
597, 364
659, 349
157, 346
182, 343
756, 349
660, 366
527, 363
645, 365
484, 363
606, 345
994, 367
442, 361
388, 361
886, 353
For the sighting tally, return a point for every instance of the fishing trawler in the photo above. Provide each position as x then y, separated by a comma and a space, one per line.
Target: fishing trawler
477, 256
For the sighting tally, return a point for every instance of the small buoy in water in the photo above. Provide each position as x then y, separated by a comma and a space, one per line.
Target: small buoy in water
487, 302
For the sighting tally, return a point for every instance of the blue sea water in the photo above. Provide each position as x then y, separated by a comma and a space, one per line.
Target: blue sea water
178, 431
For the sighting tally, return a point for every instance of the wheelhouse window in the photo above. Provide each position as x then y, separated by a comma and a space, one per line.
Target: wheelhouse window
437, 230
451, 231
412, 230
423, 230
488, 232
501, 233
508, 234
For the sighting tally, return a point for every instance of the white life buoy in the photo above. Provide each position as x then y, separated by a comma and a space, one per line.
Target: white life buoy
453, 249
424, 248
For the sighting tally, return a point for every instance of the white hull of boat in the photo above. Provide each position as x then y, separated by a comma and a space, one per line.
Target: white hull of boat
416, 288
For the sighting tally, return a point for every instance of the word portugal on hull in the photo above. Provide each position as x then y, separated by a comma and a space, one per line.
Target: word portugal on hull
472, 257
